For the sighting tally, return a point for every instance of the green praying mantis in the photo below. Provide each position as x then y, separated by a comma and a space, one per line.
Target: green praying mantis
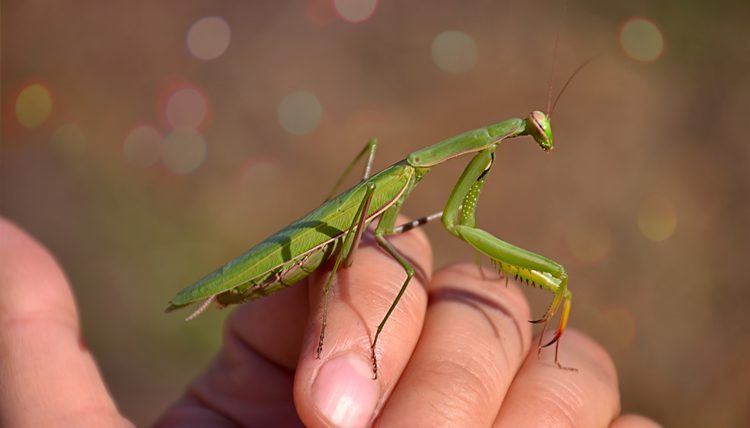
334, 230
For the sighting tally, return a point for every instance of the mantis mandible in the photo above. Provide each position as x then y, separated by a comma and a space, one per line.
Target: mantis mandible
334, 230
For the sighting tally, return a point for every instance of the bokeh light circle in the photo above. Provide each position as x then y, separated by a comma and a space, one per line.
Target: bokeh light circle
33, 105
642, 40
186, 108
657, 218
300, 112
355, 10
184, 151
454, 52
142, 146
208, 38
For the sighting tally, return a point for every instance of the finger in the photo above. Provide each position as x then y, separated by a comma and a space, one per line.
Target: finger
250, 381
338, 389
47, 376
633, 421
475, 338
546, 396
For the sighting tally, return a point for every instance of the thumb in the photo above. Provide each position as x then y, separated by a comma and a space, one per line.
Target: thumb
47, 376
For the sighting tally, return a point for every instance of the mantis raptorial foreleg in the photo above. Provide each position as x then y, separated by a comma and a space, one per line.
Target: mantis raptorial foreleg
369, 149
459, 217
350, 242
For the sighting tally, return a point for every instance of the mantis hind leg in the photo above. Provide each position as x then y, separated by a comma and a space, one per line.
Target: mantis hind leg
369, 150
459, 218
350, 242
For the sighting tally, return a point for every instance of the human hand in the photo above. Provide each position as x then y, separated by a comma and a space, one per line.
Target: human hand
457, 351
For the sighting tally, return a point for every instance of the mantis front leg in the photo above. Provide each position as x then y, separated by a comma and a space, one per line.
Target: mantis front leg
459, 218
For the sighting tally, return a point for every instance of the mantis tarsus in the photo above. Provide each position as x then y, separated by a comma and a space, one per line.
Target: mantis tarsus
335, 228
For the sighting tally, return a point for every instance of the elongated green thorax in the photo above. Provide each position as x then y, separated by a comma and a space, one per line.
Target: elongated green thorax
537, 125
468, 142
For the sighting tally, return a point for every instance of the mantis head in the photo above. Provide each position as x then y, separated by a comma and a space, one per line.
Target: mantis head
538, 126
538, 123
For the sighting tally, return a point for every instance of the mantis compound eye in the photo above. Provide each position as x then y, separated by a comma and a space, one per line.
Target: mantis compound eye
539, 126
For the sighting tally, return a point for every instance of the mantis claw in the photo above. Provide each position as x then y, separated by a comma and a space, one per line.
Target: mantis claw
555, 338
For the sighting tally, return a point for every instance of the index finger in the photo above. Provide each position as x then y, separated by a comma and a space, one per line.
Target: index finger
339, 388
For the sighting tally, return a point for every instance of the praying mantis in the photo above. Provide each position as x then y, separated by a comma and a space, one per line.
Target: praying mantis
334, 229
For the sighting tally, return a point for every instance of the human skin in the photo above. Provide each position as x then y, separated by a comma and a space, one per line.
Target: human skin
457, 351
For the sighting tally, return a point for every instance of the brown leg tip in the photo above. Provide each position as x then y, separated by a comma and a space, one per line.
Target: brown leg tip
570, 369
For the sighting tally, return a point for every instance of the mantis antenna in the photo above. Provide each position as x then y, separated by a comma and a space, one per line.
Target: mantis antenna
552, 104
570, 79
554, 57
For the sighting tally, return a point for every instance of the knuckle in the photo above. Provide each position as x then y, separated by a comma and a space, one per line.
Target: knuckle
470, 388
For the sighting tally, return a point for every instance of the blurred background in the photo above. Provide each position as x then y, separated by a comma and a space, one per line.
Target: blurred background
145, 143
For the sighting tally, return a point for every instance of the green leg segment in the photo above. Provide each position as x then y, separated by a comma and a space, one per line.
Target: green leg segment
459, 218
351, 239
386, 226
409, 269
369, 150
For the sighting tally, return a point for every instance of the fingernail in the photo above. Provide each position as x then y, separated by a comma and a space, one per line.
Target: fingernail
344, 391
